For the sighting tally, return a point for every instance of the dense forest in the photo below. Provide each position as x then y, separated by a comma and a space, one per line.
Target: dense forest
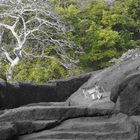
60, 38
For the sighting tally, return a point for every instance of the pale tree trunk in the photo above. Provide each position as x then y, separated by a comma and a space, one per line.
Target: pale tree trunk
9, 72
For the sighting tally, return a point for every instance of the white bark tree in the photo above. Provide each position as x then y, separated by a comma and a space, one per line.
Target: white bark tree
32, 25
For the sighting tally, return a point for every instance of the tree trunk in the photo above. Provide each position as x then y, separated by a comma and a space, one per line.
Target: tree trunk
9, 74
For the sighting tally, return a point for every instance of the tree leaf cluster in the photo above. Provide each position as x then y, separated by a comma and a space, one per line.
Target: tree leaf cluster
105, 30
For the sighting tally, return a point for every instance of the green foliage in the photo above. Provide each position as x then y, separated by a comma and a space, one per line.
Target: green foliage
37, 70
134, 9
105, 31
40, 70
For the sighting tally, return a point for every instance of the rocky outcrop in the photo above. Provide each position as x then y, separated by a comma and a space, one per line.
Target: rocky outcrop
50, 117
50, 113
120, 84
28, 119
89, 128
107, 78
17, 94
119, 127
127, 94
59, 122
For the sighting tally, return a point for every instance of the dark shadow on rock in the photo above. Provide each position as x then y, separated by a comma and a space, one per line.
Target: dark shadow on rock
126, 94
16, 94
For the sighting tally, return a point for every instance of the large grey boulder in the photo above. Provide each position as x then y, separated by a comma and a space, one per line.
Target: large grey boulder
34, 113
15, 94
58, 122
89, 124
118, 127
126, 94
29, 119
129, 63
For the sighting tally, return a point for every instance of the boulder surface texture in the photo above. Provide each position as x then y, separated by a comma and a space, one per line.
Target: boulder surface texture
127, 95
62, 122
60, 110
128, 64
16, 94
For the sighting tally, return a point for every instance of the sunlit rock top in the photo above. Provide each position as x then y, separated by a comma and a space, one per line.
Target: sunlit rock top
129, 55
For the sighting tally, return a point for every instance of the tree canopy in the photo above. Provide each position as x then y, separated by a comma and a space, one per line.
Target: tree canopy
33, 29
104, 29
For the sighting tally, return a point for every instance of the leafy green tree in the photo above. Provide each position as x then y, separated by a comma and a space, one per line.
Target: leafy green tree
105, 31
103, 49
120, 20
134, 9
41, 70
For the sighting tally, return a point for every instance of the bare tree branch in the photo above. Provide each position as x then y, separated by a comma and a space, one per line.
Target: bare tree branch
34, 21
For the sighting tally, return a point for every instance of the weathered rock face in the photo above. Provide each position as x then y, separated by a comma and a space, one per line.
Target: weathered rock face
7, 131
128, 91
17, 94
78, 117
117, 127
107, 78
28, 119
66, 123
34, 113
59, 122
120, 85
